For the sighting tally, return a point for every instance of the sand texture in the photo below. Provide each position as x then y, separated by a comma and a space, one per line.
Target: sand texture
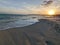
44, 32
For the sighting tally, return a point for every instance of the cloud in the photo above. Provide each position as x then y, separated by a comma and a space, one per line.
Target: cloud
27, 6
47, 3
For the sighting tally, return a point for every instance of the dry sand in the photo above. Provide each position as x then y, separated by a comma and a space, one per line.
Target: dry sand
40, 33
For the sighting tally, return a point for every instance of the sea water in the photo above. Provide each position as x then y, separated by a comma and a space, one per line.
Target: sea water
15, 20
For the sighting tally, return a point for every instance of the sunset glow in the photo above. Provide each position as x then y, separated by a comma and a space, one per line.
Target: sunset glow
30, 7
51, 12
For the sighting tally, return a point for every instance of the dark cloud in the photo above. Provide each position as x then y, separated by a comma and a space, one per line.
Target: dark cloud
48, 3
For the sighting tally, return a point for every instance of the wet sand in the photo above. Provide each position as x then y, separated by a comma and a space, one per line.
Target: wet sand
40, 33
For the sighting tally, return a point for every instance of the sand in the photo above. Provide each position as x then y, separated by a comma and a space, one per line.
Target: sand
40, 33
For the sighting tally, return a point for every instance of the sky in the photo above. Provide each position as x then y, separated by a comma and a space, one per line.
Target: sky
28, 6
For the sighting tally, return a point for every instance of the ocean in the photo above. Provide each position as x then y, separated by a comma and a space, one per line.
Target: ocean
15, 20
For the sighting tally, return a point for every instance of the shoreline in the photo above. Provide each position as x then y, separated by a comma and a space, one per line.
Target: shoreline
18, 27
40, 33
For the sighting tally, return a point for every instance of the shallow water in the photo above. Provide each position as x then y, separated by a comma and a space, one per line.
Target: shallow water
12, 21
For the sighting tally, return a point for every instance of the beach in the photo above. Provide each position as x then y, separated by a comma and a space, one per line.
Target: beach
29, 22
40, 33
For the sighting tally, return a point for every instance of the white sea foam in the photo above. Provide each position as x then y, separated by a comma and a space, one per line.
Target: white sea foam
10, 21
